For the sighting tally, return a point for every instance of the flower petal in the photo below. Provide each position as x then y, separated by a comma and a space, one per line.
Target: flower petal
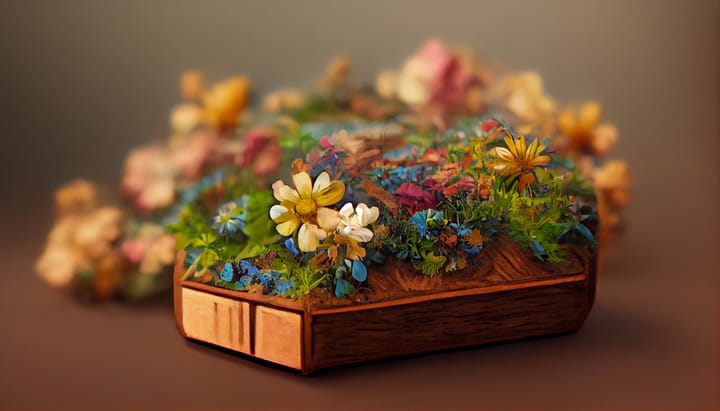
288, 227
367, 215
330, 195
307, 238
347, 210
303, 184
276, 211
321, 182
327, 218
530, 152
510, 143
360, 234
504, 153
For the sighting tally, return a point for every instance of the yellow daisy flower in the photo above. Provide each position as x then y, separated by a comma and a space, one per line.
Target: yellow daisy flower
304, 207
518, 158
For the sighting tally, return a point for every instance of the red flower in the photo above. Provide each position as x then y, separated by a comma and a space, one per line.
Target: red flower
413, 198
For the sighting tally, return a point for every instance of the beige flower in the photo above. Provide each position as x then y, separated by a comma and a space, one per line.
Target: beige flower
305, 207
186, 117
283, 100
59, 264
522, 95
353, 221
386, 84
77, 197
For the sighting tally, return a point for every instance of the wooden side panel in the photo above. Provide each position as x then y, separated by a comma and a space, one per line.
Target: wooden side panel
216, 320
354, 336
278, 336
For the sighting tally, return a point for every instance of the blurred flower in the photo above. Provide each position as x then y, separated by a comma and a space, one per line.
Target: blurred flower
612, 183
192, 85
96, 232
149, 178
283, 100
188, 155
152, 249
584, 132
523, 96
229, 220
225, 101
186, 117
261, 152
353, 222
336, 73
517, 158
59, 264
306, 205
433, 75
77, 197
386, 84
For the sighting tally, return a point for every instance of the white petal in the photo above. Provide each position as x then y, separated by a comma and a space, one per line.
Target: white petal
277, 210
361, 234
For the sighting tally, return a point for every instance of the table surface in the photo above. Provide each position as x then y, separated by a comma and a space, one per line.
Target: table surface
80, 85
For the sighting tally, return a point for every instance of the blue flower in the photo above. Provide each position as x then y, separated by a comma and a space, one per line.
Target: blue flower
290, 245
461, 229
230, 219
249, 268
343, 287
227, 272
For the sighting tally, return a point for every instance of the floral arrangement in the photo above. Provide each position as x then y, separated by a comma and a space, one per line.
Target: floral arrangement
322, 188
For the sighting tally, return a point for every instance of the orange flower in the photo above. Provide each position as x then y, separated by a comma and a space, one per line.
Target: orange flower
583, 129
518, 158
225, 102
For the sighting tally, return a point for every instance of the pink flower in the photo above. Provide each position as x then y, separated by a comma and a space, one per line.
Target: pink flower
261, 152
435, 75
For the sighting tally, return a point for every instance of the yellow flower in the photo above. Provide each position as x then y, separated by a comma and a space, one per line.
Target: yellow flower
305, 208
584, 131
225, 101
518, 158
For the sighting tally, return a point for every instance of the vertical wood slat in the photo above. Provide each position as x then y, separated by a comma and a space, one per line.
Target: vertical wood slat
216, 320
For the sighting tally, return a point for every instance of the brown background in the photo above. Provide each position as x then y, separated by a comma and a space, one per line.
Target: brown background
82, 82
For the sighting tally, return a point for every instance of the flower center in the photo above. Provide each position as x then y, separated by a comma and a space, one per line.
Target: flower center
306, 207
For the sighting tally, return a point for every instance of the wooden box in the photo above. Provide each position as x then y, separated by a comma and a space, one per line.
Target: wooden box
517, 297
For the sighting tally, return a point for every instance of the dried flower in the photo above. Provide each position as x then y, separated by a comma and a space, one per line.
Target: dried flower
305, 207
